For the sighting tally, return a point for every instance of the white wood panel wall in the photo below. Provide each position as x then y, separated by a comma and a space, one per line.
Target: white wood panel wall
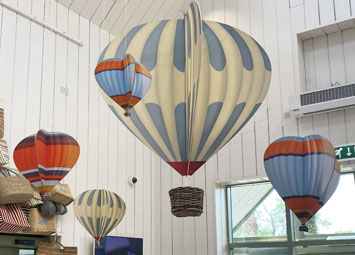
35, 64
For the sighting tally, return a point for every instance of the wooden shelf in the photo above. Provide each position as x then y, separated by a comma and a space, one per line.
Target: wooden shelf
327, 29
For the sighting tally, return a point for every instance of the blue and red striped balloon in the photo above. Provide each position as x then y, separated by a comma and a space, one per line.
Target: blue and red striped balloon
124, 80
304, 171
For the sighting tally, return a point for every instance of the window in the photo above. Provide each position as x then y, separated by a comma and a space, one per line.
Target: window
260, 223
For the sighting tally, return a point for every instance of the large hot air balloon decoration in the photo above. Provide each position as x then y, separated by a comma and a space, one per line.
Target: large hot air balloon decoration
46, 158
208, 80
99, 212
305, 173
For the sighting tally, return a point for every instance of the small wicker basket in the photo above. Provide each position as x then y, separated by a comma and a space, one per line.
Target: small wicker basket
61, 194
39, 224
186, 201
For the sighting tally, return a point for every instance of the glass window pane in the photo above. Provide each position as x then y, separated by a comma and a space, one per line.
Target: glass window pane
261, 251
337, 215
257, 211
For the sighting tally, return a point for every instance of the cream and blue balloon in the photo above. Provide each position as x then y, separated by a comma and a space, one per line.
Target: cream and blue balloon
99, 212
208, 80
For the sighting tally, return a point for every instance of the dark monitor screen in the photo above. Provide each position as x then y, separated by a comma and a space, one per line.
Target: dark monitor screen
116, 245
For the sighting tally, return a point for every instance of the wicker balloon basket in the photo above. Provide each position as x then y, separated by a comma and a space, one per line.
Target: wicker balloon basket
186, 201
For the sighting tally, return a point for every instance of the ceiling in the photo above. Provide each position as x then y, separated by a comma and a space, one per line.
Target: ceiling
117, 16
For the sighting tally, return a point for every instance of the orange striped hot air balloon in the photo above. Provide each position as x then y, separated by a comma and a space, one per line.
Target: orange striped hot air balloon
305, 173
45, 158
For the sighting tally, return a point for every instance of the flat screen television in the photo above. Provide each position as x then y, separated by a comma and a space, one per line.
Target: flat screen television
117, 245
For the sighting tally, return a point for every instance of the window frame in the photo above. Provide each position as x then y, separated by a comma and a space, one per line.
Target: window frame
292, 241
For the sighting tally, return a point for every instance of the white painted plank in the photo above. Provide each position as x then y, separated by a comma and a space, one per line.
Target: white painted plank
207, 9
34, 80
113, 176
46, 120
126, 15
93, 109
163, 12
349, 50
93, 135
211, 176
156, 215
219, 11
257, 32
147, 202
7, 60
201, 221
116, 11
262, 142
321, 125
50, 12
66, 3
101, 12
151, 12
165, 215
298, 25
249, 158
102, 171
89, 9
321, 60
271, 47
310, 74
130, 147
224, 164
275, 125
231, 13
71, 120
337, 127
342, 9
83, 115
285, 53
19, 85
60, 81
78, 5
305, 126
294, 3
352, 4
311, 13
326, 11
236, 157
122, 171
139, 191
24, 5
243, 9
175, 11
60, 74
336, 58
38, 9
177, 223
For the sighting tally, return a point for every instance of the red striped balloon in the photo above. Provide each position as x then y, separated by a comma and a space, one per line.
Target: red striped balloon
46, 158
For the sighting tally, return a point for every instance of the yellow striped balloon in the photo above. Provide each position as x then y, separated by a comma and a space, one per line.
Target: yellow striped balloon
208, 80
99, 212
